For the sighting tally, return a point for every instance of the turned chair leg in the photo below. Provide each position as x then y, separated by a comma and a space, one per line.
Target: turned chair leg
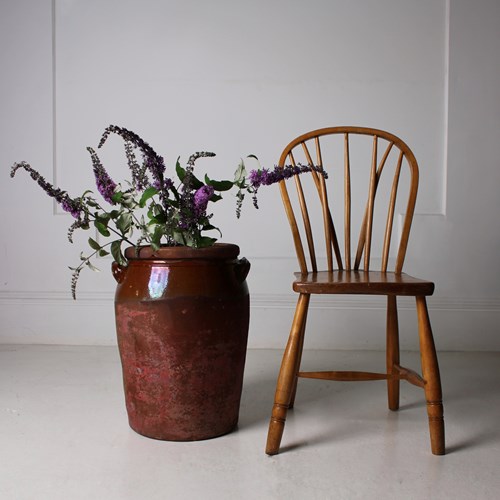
430, 372
301, 348
287, 376
392, 353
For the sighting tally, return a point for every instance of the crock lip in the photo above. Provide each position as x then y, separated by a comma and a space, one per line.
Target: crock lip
216, 251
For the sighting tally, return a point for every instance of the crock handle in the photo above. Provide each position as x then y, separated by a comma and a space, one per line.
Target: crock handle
118, 271
242, 269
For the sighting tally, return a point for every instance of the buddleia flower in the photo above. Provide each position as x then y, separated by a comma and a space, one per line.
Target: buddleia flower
74, 281
153, 162
105, 185
201, 199
188, 178
68, 204
139, 177
78, 224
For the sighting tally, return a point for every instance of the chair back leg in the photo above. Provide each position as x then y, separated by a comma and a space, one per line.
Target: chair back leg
392, 353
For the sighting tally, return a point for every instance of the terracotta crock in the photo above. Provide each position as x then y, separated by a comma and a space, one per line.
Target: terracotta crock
182, 324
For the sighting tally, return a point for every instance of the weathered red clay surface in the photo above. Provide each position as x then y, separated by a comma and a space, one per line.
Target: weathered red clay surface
182, 333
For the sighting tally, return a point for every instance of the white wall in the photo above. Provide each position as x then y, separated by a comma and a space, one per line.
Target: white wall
247, 77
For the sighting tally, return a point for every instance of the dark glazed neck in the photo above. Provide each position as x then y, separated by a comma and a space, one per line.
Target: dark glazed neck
221, 251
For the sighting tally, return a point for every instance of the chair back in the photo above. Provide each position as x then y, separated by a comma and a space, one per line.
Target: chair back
355, 159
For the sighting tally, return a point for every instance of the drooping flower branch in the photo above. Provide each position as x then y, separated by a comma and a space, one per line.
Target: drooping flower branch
266, 177
151, 205
152, 161
70, 205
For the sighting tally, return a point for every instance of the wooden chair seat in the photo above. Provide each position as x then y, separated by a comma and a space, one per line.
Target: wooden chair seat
362, 283
353, 151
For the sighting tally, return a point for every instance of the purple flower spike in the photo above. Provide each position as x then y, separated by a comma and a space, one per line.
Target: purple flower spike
154, 163
266, 177
73, 206
168, 184
201, 198
105, 185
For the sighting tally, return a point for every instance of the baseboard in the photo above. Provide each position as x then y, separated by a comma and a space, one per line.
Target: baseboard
335, 322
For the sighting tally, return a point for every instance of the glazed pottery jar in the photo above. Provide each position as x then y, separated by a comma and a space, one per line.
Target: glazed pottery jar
182, 324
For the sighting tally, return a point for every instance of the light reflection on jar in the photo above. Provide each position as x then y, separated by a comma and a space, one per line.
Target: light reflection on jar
158, 281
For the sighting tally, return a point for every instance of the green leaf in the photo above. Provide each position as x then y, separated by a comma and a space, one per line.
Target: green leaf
180, 171
206, 241
102, 217
196, 183
219, 185
101, 228
253, 156
215, 197
157, 219
116, 252
172, 203
94, 245
240, 174
117, 197
128, 200
209, 227
182, 239
124, 222
91, 203
175, 193
148, 193
154, 210
103, 253
91, 266
156, 237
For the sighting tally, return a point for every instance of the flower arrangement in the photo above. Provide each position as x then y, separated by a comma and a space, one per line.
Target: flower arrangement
150, 204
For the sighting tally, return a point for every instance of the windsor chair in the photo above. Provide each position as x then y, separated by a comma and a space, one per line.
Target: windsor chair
351, 273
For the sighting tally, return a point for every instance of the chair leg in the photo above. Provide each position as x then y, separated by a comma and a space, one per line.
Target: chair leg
392, 354
430, 372
301, 348
287, 376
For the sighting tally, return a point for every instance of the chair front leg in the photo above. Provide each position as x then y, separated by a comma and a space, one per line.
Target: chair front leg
301, 348
287, 376
430, 372
392, 353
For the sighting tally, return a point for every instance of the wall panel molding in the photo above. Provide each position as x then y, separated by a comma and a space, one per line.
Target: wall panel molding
260, 301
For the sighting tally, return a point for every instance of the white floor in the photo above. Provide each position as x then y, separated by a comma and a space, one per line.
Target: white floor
64, 434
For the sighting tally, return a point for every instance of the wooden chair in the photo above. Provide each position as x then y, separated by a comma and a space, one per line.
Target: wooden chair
353, 275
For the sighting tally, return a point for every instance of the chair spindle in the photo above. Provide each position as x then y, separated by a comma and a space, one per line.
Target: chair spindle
363, 230
305, 218
390, 214
347, 203
371, 203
